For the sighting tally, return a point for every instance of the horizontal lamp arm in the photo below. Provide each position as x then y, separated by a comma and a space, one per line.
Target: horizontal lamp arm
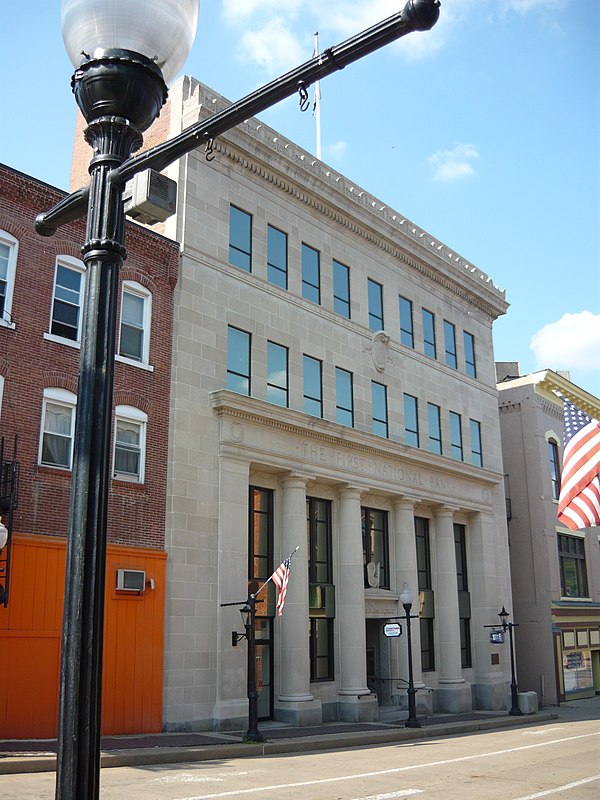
70, 208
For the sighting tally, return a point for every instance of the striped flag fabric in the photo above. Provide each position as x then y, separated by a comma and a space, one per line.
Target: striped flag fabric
579, 498
280, 578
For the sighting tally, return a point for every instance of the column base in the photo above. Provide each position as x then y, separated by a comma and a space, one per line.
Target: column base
358, 708
301, 713
453, 698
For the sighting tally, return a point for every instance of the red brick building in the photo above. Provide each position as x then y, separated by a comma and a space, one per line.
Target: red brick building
42, 284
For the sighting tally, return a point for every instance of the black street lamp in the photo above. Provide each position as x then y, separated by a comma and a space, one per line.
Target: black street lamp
515, 711
124, 54
406, 598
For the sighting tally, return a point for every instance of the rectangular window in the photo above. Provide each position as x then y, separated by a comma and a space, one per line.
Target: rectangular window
58, 424
344, 401
379, 409
411, 420
321, 590
375, 296
130, 441
238, 360
435, 428
134, 338
67, 302
554, 468
476, 451
277, 374
464, 597
240, 239
426, 615
313, 386
407, 336
5, 255
277, 256
429, 346
456, 446
260, 540
321, 649
375, 548
469, 343
341, 289
450, 345
8, 258
573, 573
311, 274
318, 525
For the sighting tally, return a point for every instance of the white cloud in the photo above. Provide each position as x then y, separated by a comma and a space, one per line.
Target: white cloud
336, 151
523, 6
455, 164
572, 342
274, 46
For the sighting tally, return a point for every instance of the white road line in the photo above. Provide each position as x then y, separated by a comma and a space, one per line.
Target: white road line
391, 771
392, 795
560, 788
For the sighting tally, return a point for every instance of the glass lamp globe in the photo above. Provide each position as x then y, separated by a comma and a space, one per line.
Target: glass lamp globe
406, 595
162, 30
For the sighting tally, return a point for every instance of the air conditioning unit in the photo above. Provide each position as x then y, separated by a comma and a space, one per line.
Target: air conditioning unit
131, 580
150, 197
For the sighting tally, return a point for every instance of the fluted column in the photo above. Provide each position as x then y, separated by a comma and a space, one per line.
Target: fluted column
354, 700
454, 695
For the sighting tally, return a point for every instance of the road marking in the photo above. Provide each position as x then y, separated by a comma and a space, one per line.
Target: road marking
540, 731
560, 788
391, 795
187, 777
391, 771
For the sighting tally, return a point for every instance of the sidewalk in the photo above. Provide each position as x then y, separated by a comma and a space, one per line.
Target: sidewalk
19, 756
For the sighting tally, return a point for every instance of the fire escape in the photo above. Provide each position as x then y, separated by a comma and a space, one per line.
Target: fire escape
9, 500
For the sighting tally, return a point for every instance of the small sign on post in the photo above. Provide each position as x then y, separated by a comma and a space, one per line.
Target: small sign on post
392, 629
497, 637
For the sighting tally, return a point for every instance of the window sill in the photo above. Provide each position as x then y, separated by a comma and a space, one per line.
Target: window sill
4, 323
132, 363
50, 337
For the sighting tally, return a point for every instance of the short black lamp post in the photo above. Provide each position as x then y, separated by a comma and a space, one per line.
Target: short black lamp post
406, 598
515, 711
125, 53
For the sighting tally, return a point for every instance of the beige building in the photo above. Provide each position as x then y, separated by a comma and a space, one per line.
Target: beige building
333, 390
555, 571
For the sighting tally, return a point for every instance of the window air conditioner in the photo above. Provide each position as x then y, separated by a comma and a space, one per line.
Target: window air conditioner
131, 580
150, 197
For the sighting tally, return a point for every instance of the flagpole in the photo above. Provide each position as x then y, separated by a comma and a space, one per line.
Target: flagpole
317, 105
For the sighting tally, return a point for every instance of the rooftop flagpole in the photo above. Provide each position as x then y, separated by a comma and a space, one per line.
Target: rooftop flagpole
317, 103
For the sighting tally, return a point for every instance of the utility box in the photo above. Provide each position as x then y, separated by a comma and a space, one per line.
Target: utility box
150, 197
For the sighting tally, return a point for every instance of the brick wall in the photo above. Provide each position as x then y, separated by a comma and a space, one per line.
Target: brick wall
29, 363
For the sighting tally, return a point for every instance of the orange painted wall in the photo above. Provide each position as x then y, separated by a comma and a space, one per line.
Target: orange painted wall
30, 631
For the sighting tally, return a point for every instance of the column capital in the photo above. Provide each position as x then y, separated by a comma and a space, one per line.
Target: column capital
298, 480
445, 511
350, 491
404, 503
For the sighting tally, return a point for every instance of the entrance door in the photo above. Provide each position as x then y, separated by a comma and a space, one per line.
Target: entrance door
378, 661
264, 668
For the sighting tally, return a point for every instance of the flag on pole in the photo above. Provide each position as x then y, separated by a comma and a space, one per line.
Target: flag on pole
579, 499
280, 578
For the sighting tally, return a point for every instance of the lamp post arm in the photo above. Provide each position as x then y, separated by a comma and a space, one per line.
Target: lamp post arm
70, 208
417, 15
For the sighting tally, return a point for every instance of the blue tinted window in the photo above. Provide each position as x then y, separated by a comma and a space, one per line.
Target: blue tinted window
341, 289
435, 428
277, 259
375, 293
238, 361
277, 374
240, 239
344, 406
450, 345
469, 342
476, 452
411, 421
406, 322
379, 409
311, 274
456, 445
313, 390
429, 347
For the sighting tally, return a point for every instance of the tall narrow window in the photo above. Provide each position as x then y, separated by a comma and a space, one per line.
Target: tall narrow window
58, 425
130, 444
573, 573
429, 346
456, 445
435, 428
411, 420
464, 597
277, 256
311, 274
341, 289
67, 301
476, 451
8, 259
136, 311
375, 548
277, 374
240, 239
321, 589
260, 540
407, 336
375, 297
238, 360
426, 614
313, 386
379, 409
344, 402
469, 344
450, 345
554, 468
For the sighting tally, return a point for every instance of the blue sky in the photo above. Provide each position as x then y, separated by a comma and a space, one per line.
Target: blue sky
484, 131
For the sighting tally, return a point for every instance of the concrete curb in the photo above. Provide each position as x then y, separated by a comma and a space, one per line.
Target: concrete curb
172, 755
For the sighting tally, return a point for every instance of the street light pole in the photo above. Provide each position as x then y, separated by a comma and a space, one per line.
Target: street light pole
122, 67
515, 711
406, 600
253, 734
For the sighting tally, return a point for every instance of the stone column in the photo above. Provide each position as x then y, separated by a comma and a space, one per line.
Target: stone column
295, 702
355, 703
453, 694
406, 572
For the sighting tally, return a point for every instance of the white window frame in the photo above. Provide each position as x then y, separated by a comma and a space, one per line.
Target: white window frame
69, 400
135, 416
74, 264
1, 392
135, 288
13, 246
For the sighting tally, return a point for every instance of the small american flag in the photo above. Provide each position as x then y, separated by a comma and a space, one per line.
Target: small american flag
280, 578
579, 499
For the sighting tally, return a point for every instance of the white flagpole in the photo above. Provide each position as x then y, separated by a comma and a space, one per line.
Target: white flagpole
317, 105
268, 579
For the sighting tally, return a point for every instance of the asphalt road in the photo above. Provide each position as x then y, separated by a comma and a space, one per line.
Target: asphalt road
558, 759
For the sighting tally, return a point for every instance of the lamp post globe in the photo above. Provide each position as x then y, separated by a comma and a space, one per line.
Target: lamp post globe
406, 596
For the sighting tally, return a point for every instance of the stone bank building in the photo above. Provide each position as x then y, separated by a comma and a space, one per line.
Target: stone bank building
333, 390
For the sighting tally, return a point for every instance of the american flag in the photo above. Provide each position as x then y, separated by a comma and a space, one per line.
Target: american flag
280, 578
579, 499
